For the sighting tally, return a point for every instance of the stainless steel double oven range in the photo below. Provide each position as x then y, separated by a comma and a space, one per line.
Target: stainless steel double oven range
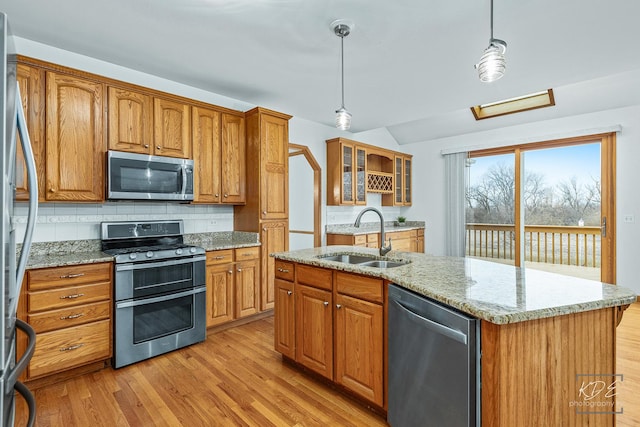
159, 289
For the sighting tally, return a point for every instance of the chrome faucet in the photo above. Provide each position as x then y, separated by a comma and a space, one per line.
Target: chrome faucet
383, 249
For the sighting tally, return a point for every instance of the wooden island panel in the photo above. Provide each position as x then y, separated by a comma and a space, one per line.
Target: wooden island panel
529, 370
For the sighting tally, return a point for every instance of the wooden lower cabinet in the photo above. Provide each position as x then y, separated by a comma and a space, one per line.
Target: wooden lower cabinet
333, 324
70, 309
405, 240
233, 284
314, 331
358, 347
274, 236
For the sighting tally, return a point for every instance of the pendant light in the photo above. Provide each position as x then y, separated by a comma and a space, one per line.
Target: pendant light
492, 63
342, 28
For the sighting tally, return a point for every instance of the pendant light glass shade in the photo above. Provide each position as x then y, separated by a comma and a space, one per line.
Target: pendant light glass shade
343, 119
492, 63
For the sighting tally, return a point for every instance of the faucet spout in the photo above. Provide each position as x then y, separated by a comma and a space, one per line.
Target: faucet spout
383, 249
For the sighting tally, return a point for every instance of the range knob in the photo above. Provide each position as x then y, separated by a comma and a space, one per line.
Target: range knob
133, 256
192, 250
149, 254
179, 251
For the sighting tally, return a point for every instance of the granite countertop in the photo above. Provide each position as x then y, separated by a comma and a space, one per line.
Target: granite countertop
73, 252
372, 227
487, 290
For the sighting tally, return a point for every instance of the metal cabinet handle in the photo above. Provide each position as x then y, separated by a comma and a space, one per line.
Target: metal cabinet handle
264, 212
282, 270
217, 195
230, 271
71, 347
239, 270
72, 296
264, 228
326, 303
52, 190
71, 316
158, 147
146, 145
71, 276
338, 306
219, 257
226, 195
289, 293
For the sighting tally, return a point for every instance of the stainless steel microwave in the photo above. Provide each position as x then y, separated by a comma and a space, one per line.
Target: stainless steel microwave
143, 177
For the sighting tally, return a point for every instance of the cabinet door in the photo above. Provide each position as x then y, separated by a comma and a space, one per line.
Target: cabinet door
233, 165
206, 155
130, 120
361, 176
274, 134
359, 351
407, 182
347, 165
314, 335
31, 81
274, 237
398, 176
284, 320
172, 128
247, 282
420, 245
75, 139
220, 279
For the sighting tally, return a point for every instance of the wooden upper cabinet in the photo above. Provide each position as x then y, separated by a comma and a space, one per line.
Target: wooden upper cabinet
172, 128
32, 92
274, 198
233, 154
207, 155
75, 143
130, 121
402, 171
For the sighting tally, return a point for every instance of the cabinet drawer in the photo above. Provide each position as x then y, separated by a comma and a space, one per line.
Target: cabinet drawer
67, 297
285, 270
47, 278
70, 347
421, 232
399, 235
360, 239
220, 257
372, 238
367, 288
68, 317
313, 276
247, 253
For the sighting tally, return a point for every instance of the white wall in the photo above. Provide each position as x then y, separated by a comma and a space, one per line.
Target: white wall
428, 176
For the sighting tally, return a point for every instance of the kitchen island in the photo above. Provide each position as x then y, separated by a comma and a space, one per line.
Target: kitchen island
547, 341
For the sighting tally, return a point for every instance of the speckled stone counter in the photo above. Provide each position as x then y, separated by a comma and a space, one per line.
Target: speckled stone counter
371, 227
71, 252
223, 240
490, 291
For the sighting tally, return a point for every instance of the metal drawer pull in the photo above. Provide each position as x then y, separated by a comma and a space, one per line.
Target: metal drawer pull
71, 347
338, 306
239, 270
283, 270
326, 303
289, 293
219, 257
71, 316
72, 296
72, 276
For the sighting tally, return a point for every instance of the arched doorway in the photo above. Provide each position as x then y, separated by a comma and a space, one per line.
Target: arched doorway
304, 198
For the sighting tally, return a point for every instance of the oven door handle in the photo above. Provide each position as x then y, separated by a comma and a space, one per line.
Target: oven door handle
139, 266
154, 300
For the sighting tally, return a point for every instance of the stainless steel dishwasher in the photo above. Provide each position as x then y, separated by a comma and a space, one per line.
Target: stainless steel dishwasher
434, 363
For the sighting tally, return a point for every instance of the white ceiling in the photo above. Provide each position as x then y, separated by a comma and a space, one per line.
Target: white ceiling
408, 63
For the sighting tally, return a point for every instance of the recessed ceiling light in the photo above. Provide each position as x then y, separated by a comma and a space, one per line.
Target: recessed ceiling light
514, 105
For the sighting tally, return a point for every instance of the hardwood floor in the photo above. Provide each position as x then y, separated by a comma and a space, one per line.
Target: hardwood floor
628, 364
234, 378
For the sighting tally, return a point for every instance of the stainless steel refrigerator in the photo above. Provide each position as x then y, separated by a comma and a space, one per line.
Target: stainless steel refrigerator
12, 123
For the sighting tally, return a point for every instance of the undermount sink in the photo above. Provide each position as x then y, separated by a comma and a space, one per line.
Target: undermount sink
364, 260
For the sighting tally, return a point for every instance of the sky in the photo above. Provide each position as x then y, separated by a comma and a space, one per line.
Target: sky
555, 164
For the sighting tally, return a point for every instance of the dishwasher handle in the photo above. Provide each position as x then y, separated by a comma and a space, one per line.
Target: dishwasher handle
434, 326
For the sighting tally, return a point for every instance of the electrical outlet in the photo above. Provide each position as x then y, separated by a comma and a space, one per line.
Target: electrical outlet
630, 219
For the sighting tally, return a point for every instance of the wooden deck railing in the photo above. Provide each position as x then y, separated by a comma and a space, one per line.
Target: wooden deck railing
570, 245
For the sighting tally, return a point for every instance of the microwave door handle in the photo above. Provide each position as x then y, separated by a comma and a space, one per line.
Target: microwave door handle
183, 170
33, 190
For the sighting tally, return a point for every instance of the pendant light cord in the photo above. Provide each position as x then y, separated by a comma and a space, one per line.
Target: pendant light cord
491, 21
342, 65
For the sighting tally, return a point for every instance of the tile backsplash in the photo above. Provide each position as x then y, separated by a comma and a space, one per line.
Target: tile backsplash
75, 221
